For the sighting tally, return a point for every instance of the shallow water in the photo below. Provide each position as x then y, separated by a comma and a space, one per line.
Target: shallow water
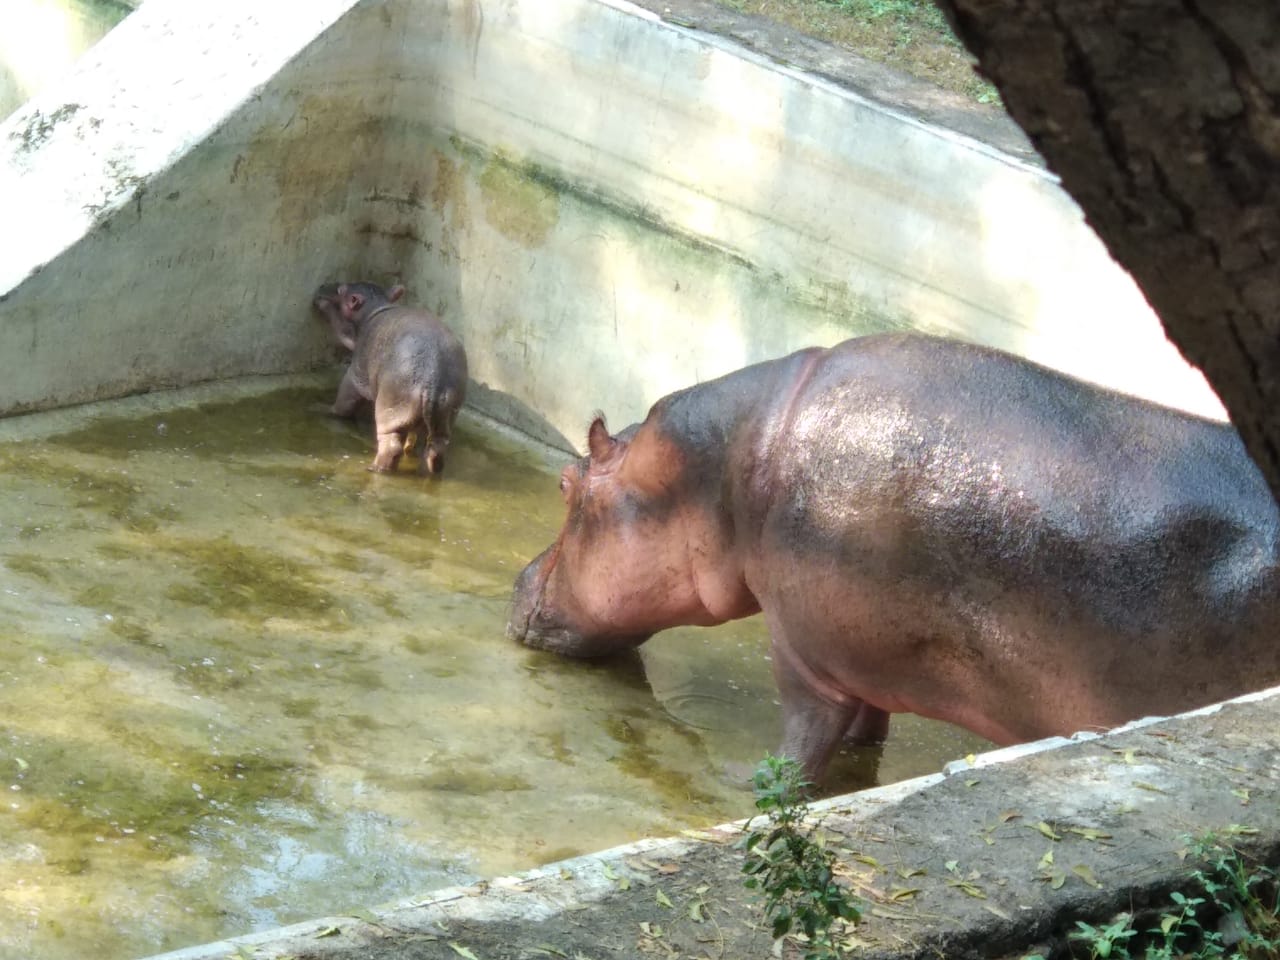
243, 681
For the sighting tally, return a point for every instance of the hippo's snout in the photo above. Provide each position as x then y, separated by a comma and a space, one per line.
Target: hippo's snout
537, 624
526, 597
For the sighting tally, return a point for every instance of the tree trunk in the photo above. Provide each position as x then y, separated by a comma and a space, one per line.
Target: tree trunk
1162, 117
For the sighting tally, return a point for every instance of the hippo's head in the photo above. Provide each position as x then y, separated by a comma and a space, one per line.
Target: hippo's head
354, 302
621, 569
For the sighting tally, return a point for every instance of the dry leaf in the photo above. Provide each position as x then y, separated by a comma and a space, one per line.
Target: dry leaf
1047, 831
1082, 871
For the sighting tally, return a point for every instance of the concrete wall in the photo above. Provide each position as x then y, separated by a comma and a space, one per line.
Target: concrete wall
605, 206
41, 39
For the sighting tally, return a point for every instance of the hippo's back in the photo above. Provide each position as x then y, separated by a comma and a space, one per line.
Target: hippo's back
413, 345
926, 420
963, 503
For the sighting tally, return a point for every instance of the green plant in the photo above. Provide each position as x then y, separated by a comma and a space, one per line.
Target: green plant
1248, 897
1106, 941
788, 861
1241, 899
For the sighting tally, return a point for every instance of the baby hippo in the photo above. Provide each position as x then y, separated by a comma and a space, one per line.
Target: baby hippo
404, 360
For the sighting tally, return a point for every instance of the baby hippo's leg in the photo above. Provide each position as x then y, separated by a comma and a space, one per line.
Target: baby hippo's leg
431, 456
390, 448
348, 399
394, 420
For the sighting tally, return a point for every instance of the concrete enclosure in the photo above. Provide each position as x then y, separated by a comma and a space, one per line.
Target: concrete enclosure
605, 206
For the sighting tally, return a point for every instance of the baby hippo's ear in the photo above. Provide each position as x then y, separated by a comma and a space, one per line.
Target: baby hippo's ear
395, 293
352, 301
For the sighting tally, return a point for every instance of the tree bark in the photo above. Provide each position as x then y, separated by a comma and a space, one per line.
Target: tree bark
1162, 118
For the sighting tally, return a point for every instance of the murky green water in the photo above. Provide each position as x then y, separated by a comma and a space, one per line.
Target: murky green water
243, 682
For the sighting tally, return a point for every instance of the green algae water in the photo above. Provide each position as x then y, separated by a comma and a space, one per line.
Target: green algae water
244, 681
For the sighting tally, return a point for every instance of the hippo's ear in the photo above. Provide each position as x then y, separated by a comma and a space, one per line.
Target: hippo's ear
395, 293
600, 445
351, 300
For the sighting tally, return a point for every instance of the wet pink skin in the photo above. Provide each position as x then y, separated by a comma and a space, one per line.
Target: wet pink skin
927, 526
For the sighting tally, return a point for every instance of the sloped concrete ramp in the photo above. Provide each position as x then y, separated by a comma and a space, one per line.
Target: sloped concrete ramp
150, 255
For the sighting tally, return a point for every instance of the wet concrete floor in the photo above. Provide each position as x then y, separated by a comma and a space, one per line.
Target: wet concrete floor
244, 681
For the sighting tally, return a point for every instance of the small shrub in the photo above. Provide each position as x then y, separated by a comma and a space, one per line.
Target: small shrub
790, 864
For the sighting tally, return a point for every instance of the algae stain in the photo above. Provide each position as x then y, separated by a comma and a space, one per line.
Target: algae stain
134, 632
231, 430
449, 194
111, 493
246, 583
300, 708
68, 796
638, 759
29, 565
465, 775
557, 747
522, 209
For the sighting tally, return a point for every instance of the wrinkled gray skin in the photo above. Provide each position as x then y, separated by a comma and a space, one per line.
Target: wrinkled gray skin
929, 527
406, 362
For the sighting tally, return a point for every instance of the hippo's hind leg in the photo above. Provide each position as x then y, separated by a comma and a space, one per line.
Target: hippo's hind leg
812, 727
870, 726
393, 421
439, 419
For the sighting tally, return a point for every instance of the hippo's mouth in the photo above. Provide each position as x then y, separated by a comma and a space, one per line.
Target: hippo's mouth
569, 643
533, 625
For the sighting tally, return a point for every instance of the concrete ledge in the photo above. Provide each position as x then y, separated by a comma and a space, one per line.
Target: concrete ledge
1116, 811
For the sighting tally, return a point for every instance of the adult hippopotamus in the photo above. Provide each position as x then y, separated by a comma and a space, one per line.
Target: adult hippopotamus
928, 526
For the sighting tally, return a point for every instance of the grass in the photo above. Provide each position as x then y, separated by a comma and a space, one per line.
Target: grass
910, 35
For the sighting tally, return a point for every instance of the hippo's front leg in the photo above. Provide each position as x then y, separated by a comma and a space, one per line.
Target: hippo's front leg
812, 727
349, 396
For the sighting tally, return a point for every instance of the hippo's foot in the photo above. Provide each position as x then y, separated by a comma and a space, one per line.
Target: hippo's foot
382, 466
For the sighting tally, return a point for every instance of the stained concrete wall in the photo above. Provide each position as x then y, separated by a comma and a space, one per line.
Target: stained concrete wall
605, 206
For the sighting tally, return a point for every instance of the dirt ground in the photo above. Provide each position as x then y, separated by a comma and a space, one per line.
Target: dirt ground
921, 96
909, 36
